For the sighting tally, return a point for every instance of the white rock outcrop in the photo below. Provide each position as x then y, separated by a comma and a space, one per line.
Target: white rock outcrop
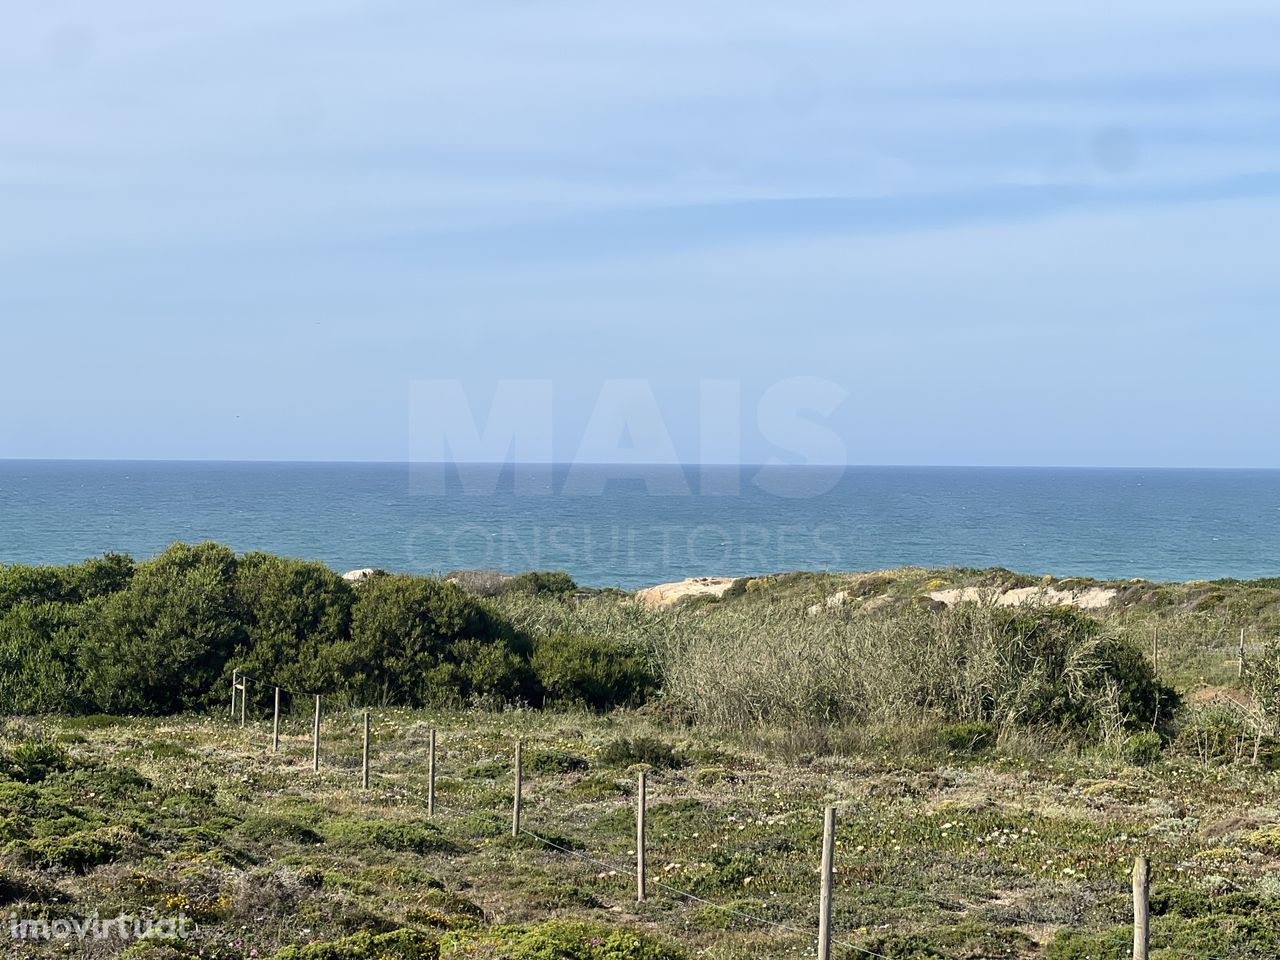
1089, 598
667, 594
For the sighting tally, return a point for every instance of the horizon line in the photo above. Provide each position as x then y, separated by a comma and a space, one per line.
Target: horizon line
624, 463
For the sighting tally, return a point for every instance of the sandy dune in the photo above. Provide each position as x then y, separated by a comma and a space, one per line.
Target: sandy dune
667, 594
1090, 598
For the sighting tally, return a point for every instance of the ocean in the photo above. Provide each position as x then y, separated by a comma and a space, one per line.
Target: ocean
636, 526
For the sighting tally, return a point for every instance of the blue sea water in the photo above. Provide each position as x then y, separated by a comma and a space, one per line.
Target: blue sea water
630, 527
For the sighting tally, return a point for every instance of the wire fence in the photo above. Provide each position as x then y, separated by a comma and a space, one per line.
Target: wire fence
598, 859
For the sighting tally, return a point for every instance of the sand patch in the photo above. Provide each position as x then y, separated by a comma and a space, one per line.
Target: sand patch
1089, 598
1220, 697
667, 594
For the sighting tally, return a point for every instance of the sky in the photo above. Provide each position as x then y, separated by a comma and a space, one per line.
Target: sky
925, 233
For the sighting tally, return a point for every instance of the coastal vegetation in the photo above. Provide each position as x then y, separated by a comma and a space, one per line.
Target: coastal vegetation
165, 635
996, 766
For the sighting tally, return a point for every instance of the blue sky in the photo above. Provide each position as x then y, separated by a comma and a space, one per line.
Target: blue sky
1010, 233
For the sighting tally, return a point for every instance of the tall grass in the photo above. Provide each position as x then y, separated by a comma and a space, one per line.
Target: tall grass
968, 664
745, 664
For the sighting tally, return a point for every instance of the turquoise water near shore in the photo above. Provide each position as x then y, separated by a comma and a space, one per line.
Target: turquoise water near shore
630, 526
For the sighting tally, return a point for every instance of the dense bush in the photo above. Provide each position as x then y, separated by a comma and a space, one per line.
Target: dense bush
1080, 672
109, 636
274, 827
43, 617
39, 658
159, 644
297, 622
163, 635
419, 641
74, 583
597, 673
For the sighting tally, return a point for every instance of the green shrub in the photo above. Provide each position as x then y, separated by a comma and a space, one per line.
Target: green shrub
557, 762
598, 673
297, 622
540, 582
158, 645
39, 658
33, 585
596, 787
78, 852
274, 827
33, 760
100, 576
416, 641
1111, 945
972, 737
556, 940
710, 776
100, 779
627, 751
164, 750
968, 938
1142, 749
400, 835
1189, 923
164, 636
1079, 669
397, 945
72, 584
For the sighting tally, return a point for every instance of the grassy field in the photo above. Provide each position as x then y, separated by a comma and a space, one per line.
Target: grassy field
955, 839
953, 856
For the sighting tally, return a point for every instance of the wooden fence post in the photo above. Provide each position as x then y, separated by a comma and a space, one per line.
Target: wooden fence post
275, 725
1141, 910
516, 797
364, 778
641, 803
431, 776
244, 696
315, 738
235, 685
828, 864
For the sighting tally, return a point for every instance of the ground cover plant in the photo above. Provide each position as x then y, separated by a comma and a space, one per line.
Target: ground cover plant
953, 853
